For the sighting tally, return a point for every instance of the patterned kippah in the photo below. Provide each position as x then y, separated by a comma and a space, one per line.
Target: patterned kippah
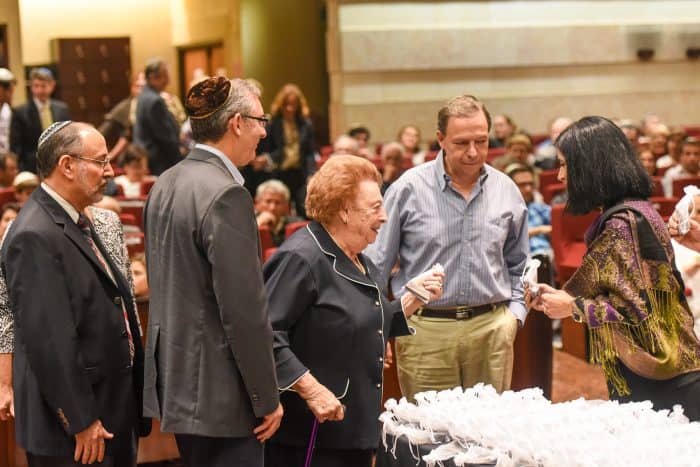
207, 97
52, 130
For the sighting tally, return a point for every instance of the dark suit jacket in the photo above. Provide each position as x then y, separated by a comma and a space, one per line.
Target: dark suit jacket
209, 364
25, 130
71, 362
332, 320
156, 130
274, 143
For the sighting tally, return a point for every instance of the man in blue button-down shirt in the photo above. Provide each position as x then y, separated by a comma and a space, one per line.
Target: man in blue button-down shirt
471, 218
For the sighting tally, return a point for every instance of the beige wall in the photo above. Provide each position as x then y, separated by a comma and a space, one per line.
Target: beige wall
147, 22
283, 42
156, 27
9, 15
197, 22
394, 62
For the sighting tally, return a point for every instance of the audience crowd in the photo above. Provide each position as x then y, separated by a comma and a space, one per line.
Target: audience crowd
502, 204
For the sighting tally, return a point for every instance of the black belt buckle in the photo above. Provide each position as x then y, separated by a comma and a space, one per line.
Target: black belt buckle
462, 313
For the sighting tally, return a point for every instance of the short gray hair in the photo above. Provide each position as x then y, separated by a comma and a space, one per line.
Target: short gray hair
275, 186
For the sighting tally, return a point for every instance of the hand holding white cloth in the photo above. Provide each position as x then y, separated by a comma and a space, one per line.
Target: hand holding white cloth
423, 288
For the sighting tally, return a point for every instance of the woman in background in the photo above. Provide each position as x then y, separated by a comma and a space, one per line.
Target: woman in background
290, 143
409, 138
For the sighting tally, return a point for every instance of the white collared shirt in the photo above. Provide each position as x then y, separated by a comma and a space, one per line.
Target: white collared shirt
5, 117
72, 212
40, 105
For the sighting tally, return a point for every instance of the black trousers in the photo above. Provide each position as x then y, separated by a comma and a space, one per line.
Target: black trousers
118, 460
206, 451
278, 455
683, 390
121, 455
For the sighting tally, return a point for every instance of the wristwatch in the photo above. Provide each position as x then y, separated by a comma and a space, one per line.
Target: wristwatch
577, 308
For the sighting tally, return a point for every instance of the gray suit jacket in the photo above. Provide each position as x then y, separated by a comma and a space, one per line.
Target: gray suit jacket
209, 364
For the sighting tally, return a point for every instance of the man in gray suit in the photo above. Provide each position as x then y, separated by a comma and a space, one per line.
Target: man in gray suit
210, 375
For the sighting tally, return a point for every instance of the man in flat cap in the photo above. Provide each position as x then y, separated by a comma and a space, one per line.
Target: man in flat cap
7, 87
210, 374
35, 116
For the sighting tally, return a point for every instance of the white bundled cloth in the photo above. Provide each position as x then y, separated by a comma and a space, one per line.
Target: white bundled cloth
477, 425
414, 285
685, 208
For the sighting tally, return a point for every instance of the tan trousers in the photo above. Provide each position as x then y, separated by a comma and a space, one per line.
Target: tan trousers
445, 353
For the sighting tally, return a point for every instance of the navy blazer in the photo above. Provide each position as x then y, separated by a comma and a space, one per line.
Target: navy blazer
329, 319
25, 129
157, 131
71, 362
273, 143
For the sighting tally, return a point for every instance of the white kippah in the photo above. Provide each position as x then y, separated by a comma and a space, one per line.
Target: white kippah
52, 130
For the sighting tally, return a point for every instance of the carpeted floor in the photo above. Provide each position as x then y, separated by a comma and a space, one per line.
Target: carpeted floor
572, 378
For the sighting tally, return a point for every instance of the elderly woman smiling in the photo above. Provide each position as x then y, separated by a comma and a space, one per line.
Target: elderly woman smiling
331, 321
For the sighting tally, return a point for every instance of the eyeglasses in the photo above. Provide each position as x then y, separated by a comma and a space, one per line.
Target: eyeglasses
262, 121
102, 162
371, 210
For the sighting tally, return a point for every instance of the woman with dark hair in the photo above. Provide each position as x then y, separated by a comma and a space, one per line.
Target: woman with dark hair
627, 290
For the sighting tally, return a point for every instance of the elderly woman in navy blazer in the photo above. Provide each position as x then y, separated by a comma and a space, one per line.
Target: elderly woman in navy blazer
331, 321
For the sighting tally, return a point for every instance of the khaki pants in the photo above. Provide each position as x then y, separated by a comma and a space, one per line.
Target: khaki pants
445, 353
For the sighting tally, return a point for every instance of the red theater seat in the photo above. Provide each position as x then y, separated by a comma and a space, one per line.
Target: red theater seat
567, 240
551, 191
658, 187
664, 206
547, 177
680, 183
265, 239
7, 195
133, 207
494, 153
146, 186
267, 254
289, 229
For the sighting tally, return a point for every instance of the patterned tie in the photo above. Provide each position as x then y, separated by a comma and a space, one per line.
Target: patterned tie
45, 115
84, 225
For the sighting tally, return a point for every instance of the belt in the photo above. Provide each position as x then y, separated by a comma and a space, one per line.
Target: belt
458, 313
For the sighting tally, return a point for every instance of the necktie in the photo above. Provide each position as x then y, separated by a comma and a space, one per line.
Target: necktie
45, 114
84, 225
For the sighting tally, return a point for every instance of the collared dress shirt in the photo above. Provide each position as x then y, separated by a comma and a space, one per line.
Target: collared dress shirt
482, 241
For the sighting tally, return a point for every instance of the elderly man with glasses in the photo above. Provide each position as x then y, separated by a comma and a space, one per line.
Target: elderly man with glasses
78, 362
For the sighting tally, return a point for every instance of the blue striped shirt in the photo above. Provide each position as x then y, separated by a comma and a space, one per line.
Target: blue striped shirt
482, 242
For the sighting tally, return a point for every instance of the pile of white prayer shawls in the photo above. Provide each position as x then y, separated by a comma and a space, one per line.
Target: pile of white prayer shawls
479, 426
